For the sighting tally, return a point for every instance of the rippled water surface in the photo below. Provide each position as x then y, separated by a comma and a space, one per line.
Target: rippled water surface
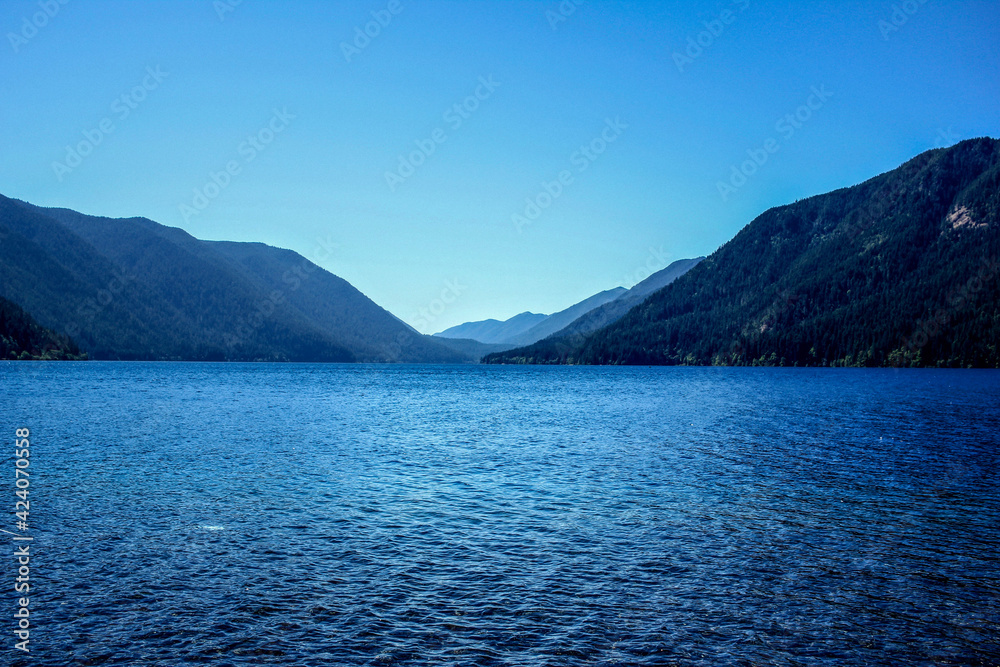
429, 515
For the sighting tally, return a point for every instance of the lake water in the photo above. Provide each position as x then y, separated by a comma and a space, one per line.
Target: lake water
431, 515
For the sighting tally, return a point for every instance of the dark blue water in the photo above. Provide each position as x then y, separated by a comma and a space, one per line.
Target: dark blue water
384, 515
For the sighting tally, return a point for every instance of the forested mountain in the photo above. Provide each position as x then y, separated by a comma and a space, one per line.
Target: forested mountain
134, 289
901, 270
21, 337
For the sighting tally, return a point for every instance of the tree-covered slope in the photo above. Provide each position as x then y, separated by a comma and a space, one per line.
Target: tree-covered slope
71, 288
21, 337
899, 270
134, 289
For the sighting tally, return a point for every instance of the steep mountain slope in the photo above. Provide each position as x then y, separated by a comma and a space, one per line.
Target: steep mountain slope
21, 337
899, 270
71, 288
334, 305
134, 289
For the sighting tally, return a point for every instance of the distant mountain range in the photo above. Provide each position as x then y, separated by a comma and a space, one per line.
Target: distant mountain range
494, 331
135, 289
564, 318
584, 317
901, 270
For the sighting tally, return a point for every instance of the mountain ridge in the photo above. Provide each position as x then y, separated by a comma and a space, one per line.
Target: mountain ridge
494, 331
899, 270
129, 288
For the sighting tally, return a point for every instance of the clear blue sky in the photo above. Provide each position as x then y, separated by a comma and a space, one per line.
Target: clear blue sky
891, 87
